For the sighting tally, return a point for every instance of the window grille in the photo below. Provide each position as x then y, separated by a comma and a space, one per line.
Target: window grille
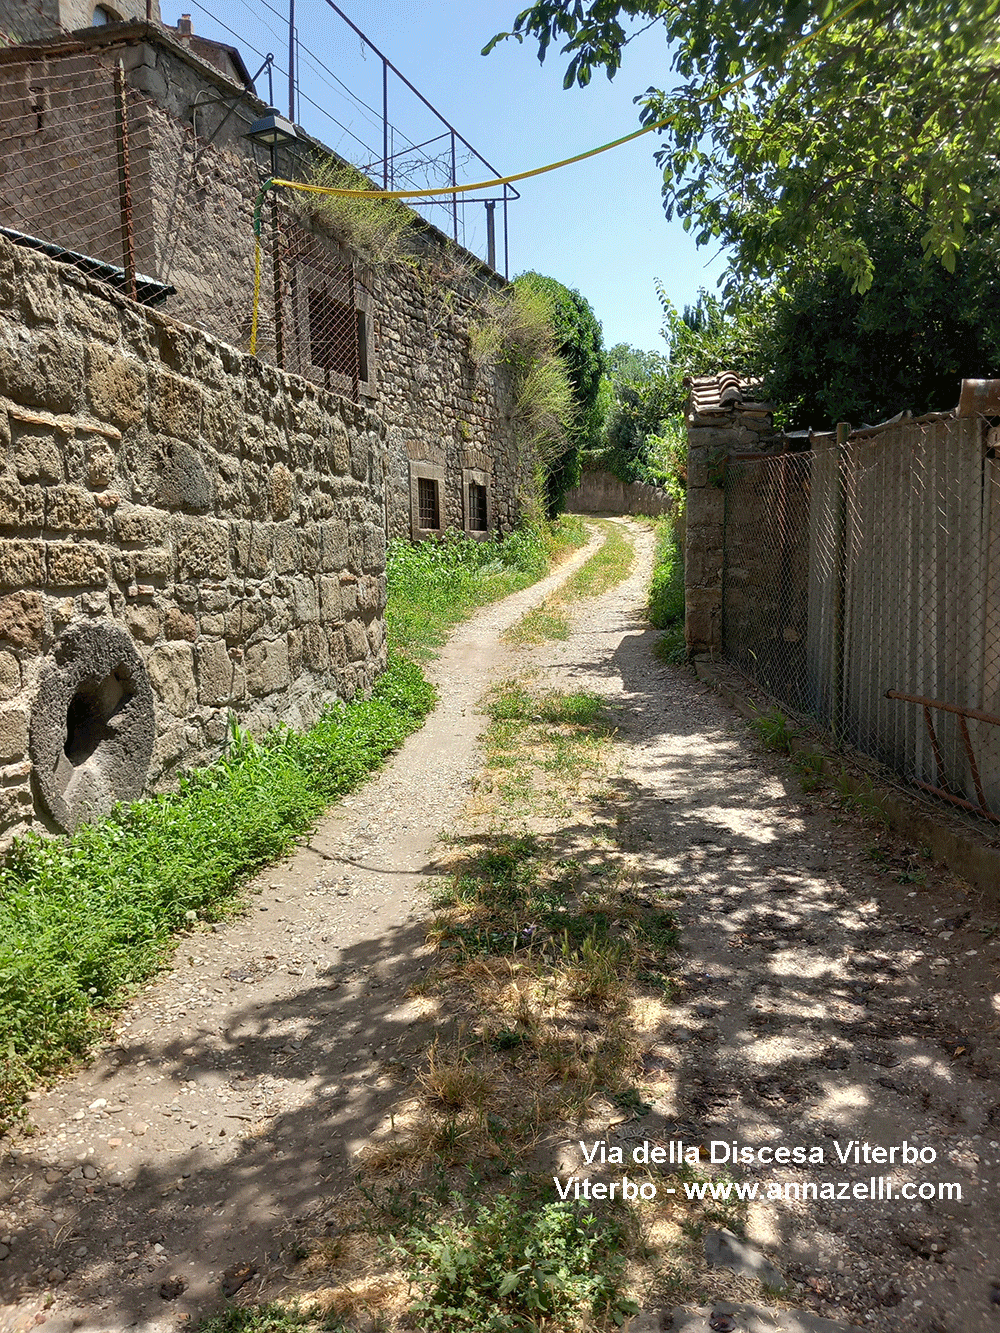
478, 521
427, 503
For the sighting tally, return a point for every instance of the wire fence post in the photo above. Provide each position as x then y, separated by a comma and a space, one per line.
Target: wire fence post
124, 182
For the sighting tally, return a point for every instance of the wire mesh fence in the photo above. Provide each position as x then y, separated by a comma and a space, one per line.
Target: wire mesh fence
73, 183
96, 175
862, 587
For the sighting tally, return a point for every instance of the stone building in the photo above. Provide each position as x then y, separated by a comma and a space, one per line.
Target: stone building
394, 336
190, 533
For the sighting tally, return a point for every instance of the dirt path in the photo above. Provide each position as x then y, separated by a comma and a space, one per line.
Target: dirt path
821, 1003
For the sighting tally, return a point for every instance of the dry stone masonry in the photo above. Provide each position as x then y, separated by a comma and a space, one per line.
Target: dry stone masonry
185, 534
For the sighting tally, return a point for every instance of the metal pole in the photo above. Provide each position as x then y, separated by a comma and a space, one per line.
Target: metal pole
385, 125
291, 61
491, 233
506, 252
454, 197
124, 182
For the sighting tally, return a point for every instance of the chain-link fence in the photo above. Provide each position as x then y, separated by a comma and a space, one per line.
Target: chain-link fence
862, 587
72, 182
96, 175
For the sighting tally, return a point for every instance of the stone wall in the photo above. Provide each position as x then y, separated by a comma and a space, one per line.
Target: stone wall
723, 421
227, 517
194, 184
601, 492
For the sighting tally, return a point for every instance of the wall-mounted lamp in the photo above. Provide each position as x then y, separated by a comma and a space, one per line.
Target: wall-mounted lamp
272, 129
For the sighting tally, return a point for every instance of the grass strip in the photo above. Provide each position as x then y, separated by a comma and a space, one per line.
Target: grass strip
435, 584
666, 594
606, 568
85, 918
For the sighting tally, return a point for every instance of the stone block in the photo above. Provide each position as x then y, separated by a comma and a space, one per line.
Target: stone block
281, 491
15, 809
46, 372
71, 509
184, 480
338, 646
202, 551
38, 451
179, 624
703, 566
294, 653
99, 461
217, 677
267, 667
334, 545
251, 549
152, 565
143, 623
116, 387
175, 406
703, 619
311, 548
171, 674
22, 620
705, 504
21, 506
341, 448
10, 675
315, 648
22, 563
356, 640
286, 551
330, 604
373, 548
140, 527
359, 457
212, 624
76, 564
13, 733
304, 597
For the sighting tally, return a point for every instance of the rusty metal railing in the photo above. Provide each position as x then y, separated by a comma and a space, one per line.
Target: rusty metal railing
963, 714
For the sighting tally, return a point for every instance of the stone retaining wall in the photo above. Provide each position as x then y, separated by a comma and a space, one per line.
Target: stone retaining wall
601, 492
227, 517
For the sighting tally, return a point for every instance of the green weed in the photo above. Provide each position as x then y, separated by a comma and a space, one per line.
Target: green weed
774, 730
666, 590
512, 1264
435, 584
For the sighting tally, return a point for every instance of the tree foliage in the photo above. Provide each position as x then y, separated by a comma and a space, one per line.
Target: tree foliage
578, 341
830, 354
790, 114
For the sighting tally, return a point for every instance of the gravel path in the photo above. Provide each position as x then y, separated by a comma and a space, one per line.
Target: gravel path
822, 1003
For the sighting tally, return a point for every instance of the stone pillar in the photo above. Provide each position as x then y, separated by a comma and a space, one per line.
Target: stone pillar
722, 420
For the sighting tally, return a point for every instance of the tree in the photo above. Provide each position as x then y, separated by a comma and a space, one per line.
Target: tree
579, 343
831, 354
790, 114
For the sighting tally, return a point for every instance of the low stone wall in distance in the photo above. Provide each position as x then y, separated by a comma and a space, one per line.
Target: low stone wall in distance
185, 533
602, 492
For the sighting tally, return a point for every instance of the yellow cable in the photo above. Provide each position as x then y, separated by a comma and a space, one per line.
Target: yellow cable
566, 161
256, 295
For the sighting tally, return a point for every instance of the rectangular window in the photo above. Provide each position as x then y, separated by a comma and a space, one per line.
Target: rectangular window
338, 340
427, 503
478, 519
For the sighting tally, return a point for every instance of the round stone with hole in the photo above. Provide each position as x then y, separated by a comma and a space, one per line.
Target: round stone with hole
92, 724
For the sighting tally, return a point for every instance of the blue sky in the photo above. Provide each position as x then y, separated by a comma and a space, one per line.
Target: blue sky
597, 226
